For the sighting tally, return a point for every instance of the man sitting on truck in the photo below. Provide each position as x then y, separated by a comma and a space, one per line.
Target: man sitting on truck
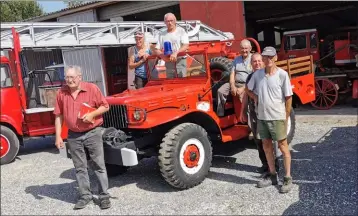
178, 39
84, 132
241, 68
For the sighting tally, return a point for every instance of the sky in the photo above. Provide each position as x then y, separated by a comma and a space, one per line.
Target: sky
51, 6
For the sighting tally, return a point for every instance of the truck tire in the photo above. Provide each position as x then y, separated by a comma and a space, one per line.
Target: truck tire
115, 170
10, 145
185, 156
291, 126
221, 63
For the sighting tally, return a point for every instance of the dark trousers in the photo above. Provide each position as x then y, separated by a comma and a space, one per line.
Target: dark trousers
258, 141
78, 144
139, 82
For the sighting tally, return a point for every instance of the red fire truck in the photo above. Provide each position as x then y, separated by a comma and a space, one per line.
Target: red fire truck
335, 55
135, 127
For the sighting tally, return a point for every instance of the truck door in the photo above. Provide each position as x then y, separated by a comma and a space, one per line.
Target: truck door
11, 109
295, 46
90, 60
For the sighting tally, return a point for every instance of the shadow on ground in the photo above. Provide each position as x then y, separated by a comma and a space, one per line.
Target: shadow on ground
326, 173
38, 144
145, 176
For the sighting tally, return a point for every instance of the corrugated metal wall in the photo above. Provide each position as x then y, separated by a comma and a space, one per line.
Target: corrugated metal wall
128, 8
90, 60
86, 16
38, 60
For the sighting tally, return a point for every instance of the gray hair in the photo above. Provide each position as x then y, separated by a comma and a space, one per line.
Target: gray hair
170, 14
75, 68
245, 42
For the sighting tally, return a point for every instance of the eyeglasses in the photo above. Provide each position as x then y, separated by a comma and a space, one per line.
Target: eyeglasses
71, 77
169, 21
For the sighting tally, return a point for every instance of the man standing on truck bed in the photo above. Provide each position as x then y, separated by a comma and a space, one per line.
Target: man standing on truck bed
241, 68
273, 92
250, 105
84, 132
179, 41
137, 56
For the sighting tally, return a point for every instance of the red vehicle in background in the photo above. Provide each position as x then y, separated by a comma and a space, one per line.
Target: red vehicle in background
335, 55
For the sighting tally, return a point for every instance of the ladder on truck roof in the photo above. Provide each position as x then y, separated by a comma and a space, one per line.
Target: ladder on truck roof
62, 35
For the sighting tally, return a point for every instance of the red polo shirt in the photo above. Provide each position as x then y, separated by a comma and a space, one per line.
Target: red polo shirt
69, 107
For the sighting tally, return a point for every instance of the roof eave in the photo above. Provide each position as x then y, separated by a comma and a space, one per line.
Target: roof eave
69, 11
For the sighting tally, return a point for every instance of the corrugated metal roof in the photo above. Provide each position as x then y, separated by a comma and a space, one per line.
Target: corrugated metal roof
68, 9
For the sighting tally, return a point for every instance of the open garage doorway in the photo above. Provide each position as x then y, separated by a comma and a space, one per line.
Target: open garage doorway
267, 21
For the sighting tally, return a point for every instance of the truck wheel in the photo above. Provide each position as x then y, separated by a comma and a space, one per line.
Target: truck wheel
218, 66
115, 170
10, 145
185, 156
291, 126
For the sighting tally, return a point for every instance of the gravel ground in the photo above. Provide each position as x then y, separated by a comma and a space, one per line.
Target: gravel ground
324, 169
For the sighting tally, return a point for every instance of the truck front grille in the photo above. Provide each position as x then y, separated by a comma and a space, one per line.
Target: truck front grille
116, 117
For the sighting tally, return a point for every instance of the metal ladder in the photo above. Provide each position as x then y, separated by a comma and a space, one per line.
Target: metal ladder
54, 35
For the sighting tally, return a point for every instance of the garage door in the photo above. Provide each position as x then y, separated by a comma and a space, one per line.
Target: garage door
90, 60
128, 8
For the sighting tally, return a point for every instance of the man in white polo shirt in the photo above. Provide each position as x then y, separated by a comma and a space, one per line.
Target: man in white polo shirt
179, 40
273, 94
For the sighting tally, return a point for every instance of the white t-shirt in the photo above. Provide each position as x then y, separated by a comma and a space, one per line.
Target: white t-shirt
177, 39
272, 92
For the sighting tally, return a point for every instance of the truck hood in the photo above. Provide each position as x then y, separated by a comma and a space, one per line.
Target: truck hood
155, 94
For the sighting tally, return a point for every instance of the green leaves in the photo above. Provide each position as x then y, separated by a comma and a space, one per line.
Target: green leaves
14, 11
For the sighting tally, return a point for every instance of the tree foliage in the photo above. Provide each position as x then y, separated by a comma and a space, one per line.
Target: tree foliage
14, 11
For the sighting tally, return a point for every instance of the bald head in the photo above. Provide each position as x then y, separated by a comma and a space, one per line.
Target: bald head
256, 61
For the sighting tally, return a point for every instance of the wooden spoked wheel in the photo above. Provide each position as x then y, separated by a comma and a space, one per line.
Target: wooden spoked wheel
326, 94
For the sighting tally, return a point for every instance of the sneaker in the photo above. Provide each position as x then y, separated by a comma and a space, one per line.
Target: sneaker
105, 203
268, 179
287, 185
81, 203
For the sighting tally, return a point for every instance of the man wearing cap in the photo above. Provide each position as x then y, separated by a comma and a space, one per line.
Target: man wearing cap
241, 68
137, 57
272, 91
178, 39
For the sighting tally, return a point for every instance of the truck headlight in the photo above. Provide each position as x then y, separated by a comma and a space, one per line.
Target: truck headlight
136, 115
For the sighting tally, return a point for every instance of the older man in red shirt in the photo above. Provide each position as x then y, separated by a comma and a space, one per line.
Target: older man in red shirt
84, 132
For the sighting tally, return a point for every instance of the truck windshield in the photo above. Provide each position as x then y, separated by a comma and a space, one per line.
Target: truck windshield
186, 66
5, 76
